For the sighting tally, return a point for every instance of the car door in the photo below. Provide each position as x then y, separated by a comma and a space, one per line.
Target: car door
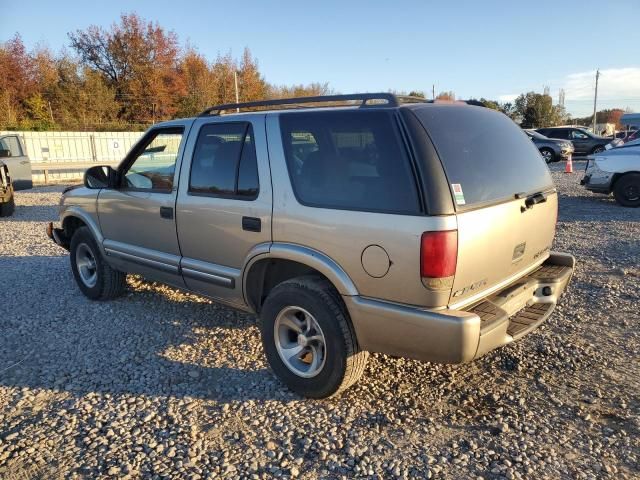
137, 217
16, 159
581, 141
223, 212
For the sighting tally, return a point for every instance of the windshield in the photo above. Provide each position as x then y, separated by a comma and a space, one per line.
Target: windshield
485, 155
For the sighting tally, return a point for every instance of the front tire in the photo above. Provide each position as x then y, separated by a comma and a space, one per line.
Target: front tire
548, 155
96, 279
7, 209
626, 191
308, 338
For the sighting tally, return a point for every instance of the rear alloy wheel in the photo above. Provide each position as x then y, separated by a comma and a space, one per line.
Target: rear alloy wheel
548, 154
627, 190
300, 341
598, 149
308, 338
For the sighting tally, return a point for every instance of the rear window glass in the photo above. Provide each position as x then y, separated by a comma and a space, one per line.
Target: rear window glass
485, 155
349, 160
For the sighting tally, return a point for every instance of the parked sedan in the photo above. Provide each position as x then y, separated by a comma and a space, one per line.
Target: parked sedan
616, 171
551, 149
7, 204
584, 142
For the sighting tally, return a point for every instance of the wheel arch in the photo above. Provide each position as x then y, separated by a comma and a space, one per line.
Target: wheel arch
285, 261
74, 218
618, 175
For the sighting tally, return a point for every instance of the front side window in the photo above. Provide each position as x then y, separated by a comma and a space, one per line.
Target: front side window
578, 135
224, 162
155, 165
351, 160
12, 144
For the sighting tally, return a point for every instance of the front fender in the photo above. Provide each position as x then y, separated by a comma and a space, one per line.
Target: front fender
74, 211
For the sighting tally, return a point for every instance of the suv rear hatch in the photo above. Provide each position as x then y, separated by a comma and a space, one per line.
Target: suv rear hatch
504, 197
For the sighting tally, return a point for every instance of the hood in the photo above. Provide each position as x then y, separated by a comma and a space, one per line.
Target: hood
557, 141
72, 187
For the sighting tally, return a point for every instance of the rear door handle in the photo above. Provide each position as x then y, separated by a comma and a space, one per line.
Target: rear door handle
251, 224
166, 212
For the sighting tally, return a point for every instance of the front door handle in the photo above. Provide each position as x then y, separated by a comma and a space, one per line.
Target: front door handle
251, 224
166, 212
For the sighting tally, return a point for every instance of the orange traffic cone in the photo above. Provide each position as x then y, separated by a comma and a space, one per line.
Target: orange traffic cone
568, 167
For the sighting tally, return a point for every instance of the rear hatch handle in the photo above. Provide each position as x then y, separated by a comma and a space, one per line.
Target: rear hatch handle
532, 200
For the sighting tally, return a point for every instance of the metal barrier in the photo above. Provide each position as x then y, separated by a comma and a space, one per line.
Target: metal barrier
61, 155
46, 167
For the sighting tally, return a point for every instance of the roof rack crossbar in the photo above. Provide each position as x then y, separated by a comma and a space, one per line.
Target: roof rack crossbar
364, 98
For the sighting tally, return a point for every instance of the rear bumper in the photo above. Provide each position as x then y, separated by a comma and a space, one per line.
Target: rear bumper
457, 336
596, 185
58, 236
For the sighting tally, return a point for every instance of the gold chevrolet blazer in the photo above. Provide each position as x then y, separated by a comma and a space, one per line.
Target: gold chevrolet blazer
348, 224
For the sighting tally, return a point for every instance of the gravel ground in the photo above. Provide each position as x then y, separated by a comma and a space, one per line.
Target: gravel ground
163, 384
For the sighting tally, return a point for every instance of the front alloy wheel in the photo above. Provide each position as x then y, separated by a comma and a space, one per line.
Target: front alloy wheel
95, 277
547, 154
86, 264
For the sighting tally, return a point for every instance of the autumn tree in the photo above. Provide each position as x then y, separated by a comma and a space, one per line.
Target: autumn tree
139, 60
17, 80
124, 77
446, 96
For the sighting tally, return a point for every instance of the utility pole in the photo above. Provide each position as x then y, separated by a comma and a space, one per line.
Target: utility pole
433, 91
235, 79
595, 101
51, 112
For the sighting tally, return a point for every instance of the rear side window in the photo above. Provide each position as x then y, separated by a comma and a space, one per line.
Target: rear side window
559, 133
224, 162
486, 156
352, 160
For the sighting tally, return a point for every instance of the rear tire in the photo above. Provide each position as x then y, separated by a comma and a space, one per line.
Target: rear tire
548, 155
626, 191
96, 279
308, 338
598, 149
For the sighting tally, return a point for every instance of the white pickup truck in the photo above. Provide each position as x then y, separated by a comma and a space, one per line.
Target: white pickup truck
14, 156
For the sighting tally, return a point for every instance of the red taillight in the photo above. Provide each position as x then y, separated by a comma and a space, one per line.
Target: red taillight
438, 254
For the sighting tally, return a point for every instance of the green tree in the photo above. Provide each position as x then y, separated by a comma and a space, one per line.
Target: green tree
535, 110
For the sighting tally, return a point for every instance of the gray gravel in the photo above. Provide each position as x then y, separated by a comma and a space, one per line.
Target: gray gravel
163, 384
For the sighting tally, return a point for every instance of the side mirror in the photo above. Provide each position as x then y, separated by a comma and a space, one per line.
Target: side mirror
100, 177
4, 153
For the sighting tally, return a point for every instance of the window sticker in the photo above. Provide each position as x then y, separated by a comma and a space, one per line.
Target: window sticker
458, 194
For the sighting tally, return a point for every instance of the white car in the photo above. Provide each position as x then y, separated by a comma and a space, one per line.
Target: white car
616, 171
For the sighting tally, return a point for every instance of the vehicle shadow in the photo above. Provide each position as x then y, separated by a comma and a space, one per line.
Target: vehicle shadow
56, 339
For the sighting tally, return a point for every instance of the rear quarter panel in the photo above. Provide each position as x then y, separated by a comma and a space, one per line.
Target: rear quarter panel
343, 235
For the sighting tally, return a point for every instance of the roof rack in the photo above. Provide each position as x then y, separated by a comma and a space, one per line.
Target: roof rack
366, 100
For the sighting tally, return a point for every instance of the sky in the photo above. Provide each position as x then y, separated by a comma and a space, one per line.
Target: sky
489, 48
